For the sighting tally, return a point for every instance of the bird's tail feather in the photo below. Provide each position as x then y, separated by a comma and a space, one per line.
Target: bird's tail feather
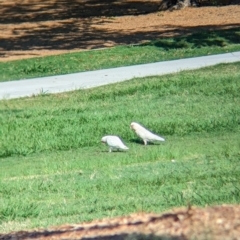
160, 138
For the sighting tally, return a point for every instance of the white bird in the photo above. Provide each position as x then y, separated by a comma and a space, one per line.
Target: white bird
145, 134
114, 143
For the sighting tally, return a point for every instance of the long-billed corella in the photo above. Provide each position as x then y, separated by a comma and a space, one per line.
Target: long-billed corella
114, 143
145, 134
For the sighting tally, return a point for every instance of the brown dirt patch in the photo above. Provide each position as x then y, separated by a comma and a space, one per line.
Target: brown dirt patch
32, 28
215, 223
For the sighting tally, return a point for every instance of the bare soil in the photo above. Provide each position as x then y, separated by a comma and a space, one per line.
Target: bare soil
33, 28
213, 223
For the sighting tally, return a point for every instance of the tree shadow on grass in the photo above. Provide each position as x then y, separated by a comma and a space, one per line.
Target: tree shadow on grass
81, 35
204, 38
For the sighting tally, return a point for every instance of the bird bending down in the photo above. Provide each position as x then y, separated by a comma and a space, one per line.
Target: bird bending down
114, 143
145, 134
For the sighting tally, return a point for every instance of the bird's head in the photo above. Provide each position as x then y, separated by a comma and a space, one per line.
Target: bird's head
104, 139
134, 126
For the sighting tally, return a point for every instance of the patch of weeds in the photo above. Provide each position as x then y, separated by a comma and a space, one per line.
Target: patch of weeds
36, 68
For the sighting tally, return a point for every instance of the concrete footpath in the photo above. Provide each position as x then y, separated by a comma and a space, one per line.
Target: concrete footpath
83, 80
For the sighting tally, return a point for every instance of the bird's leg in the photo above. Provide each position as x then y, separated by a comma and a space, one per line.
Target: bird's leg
110, 149
145, 142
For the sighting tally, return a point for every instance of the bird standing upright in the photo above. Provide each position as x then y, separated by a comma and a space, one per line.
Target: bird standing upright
145, 134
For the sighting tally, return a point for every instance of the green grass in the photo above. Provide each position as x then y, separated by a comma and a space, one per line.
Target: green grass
184, 46
55, 170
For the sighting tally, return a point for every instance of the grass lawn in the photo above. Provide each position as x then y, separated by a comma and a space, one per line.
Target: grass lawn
55, 170
193, 45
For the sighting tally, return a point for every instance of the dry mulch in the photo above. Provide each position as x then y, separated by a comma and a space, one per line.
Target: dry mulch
33, 28
213, 223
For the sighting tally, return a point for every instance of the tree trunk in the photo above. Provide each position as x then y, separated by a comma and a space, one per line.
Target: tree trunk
176, 4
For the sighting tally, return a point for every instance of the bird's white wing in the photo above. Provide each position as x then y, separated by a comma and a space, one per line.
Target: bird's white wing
146, 134
152, 136
115, 142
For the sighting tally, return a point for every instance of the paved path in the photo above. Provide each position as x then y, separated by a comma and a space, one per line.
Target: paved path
82, 80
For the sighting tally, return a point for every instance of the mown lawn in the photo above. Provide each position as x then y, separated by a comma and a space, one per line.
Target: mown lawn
55, 170
184, 46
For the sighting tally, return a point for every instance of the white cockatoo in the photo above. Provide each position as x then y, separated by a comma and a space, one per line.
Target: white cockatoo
114, 143
145, 134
